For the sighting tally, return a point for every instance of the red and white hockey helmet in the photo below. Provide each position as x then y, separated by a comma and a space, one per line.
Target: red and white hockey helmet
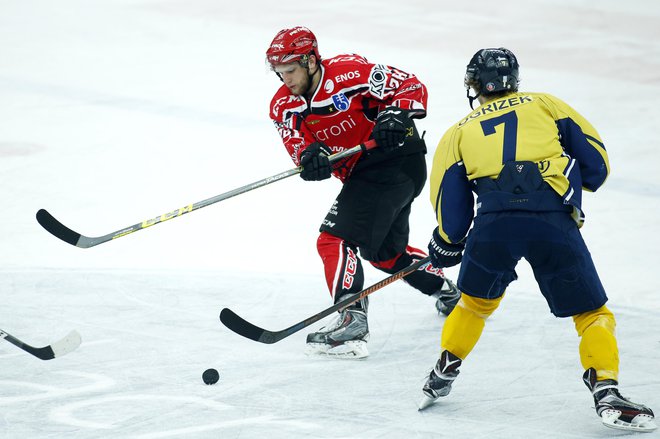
291, 45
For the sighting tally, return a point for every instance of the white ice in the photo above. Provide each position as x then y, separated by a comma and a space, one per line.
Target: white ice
116, 111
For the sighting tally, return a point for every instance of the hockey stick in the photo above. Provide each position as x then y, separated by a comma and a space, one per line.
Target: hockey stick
242, 327
54, 350
59, 230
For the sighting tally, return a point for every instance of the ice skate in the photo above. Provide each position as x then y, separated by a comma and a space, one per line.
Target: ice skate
346, 336
440, 379
447, 297
616, 411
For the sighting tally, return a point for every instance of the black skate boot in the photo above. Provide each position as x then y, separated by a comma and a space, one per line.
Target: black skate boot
440, 379
346, 336
614, 410
447, 297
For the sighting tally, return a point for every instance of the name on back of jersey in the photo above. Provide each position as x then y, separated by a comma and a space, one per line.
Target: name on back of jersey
494, 106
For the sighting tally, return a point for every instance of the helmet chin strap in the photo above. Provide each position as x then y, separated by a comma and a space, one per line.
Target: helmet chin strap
472, 98
309, 78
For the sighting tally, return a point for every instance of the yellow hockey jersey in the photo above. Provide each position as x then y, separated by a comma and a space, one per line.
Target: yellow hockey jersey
519, 126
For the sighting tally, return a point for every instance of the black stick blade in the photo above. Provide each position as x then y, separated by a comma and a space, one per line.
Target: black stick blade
56, 228
45, 353
242, 327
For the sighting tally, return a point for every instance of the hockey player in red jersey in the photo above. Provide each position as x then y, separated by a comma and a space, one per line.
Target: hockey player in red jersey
326, 106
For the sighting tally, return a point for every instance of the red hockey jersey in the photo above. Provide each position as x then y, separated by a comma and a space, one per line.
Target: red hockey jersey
343, 109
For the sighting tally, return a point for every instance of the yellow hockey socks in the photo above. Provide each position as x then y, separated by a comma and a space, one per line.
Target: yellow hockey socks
598, 347
464, 325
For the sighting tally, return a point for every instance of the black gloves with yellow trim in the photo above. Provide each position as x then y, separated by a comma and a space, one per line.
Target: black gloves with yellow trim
392, 127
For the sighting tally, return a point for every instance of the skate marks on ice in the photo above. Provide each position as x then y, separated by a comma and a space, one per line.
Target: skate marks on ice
112, 412
26, 391
20, 149
116, 412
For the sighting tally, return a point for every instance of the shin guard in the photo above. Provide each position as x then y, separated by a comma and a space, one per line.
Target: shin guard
464, 326
598, 346
343, 269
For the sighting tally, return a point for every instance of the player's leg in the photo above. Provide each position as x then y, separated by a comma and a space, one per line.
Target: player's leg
348, 333
343, 269
392, 191
356, 220
598, 346
600, 358
487, 268
460, 334
345, 226
568, 279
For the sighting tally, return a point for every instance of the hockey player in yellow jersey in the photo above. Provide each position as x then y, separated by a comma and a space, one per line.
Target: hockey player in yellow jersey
526, 157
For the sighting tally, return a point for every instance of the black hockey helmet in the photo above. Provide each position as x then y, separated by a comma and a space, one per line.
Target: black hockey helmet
492, 71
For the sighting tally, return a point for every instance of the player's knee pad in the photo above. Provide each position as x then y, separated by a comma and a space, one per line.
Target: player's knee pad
343, 269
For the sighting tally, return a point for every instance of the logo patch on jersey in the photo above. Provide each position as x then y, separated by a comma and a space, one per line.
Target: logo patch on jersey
328, 86
377, 80
544, 165
344, 126
341, 101
490, 86
346, 76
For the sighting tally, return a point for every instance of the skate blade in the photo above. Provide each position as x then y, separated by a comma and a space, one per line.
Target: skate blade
641, 423
351, 349
425, 402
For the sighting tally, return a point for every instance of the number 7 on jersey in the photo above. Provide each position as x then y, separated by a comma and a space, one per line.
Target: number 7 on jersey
510, 121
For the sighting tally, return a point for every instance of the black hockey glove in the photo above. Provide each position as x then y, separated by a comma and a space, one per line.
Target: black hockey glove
315, 163
392, 127
444, 254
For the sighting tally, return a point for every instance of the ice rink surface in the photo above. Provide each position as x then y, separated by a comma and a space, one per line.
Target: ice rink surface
113, 112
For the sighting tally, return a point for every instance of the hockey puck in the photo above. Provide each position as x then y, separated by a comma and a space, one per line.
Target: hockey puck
210, 376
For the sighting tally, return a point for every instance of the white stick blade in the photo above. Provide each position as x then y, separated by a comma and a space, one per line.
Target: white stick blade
67, 344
